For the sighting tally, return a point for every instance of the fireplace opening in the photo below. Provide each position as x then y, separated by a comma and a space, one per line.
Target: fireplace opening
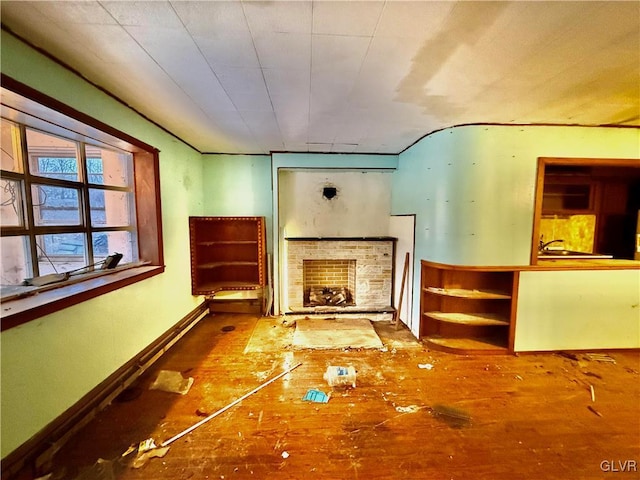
329, 283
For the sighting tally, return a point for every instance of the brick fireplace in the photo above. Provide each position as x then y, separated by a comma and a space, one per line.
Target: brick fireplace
359, 269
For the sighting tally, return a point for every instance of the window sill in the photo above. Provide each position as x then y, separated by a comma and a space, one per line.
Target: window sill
37, 303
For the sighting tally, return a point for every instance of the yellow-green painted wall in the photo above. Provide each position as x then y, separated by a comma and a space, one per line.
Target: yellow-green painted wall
238, 185
49, 364
578, 310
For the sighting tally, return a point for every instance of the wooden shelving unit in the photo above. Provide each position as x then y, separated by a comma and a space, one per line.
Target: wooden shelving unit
227, 253
468, 310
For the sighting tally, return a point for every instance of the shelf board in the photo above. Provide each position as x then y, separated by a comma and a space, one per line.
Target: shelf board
212, 287
487, 346
226, 264
467, 293
227, 242
478, 319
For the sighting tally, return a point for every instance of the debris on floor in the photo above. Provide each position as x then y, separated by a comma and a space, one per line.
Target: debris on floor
425, 366
570, 356
600, 357
142, 459
148, 449
172, 382
409, 409
338, 376
316, 396
452, 416
594, 410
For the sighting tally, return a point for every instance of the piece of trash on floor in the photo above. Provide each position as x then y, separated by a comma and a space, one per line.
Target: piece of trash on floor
425, 366
288, 322
316, 396
285, 454
172, 382
131, 449
570, 356
143, 457
146, 445
593, 393
600, 357
408, 409
452, 416
594, 410
337, 376
201, 413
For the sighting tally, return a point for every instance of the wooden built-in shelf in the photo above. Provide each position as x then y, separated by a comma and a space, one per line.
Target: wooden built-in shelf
227, 253
227, 264
468, 346
479, 319
213, 287
468, 310
228, 242
465, 293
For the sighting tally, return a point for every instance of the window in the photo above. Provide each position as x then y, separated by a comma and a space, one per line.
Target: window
73, 191
591, 204
71, 204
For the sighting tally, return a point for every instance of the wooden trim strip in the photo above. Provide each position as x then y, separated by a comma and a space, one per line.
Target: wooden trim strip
586, 264
42, 446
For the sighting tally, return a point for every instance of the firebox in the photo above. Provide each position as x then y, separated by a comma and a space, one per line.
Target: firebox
329, 282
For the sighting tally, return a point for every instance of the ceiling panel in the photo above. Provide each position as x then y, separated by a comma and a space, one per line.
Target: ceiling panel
283, 50
352, 18
345, 76
278, 17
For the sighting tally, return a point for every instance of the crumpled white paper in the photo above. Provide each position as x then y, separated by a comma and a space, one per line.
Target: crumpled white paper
173, 382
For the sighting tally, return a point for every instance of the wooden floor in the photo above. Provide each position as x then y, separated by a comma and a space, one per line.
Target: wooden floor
415, 414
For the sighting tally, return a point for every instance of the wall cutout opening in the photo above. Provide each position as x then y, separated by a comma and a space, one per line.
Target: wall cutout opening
329, 192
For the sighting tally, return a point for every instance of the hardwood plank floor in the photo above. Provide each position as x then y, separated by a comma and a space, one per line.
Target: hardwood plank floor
465, 417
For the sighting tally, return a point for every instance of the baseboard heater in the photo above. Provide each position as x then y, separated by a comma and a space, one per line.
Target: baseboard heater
40, 449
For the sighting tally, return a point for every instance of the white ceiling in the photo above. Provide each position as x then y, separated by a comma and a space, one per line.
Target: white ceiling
346, 76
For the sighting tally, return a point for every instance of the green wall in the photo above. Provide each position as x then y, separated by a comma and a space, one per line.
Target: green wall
472, 188
238, 185
49, 364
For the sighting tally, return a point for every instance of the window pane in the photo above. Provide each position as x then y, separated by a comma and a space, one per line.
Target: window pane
110, 208
16, 265
55, 205
10, 141
52, 157
61, 252
107, 167
11, 212
108, 243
